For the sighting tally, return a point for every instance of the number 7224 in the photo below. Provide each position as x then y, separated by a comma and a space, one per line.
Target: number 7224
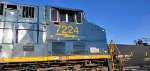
67, 29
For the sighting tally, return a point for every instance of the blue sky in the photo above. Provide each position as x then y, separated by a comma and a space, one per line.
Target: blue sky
124, 20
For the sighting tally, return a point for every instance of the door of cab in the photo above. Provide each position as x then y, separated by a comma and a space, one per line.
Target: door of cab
11, 17
10, 26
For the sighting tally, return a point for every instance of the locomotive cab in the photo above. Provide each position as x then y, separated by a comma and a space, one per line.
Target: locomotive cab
58, 14
70, 33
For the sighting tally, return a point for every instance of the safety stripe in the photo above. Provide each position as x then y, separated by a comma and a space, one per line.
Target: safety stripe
50, 58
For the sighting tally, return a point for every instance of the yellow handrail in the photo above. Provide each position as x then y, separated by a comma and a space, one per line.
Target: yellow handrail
112, 47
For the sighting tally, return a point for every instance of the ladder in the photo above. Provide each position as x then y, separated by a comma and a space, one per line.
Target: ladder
116, 58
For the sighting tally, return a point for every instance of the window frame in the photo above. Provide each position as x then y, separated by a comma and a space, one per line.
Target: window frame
34, 13
65, 16
73, 18
51, 15
81, 18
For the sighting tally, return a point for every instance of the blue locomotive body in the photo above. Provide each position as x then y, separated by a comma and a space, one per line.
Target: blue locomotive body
30, 31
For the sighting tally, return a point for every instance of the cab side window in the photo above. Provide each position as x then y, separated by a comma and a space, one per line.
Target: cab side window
62, 16
1, 8
71, 17
28, 12
78, 17
54, 15
12, 7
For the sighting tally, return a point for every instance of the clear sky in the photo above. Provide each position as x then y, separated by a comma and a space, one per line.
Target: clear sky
124, 20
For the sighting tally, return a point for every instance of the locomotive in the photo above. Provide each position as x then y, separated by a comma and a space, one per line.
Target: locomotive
40, 31
45, 33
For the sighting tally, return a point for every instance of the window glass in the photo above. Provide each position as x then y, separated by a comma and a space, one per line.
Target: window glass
0, 48
28, 12
62, 17
70, 17
78, 17
54, 15
12, 6
1, 8
32, 12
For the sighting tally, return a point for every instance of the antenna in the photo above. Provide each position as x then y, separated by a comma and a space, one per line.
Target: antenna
146, 39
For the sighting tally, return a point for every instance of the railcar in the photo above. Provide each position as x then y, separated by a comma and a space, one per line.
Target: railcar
134, 55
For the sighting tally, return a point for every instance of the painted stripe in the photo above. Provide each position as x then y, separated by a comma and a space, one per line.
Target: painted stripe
50, 58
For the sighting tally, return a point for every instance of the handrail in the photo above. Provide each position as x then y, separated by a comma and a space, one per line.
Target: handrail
112, 47
120, 58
